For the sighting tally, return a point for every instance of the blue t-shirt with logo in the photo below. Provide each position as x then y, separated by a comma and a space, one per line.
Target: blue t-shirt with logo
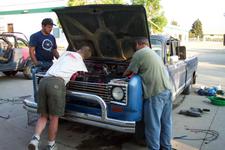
44, 45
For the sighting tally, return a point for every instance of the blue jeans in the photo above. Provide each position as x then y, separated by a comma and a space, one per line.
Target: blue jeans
44, 66
158, 121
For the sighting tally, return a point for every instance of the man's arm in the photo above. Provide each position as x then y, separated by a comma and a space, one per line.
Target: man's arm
55, 53
32, 55
133, 67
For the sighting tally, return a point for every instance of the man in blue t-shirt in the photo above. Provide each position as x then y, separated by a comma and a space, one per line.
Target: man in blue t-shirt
42, 45
42, 49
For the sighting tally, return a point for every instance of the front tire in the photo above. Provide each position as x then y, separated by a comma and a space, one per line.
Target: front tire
194, 79
10, 73
27, 70
187, 90
139, 134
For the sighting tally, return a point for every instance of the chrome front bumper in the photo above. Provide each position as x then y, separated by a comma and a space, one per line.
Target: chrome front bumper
89, 119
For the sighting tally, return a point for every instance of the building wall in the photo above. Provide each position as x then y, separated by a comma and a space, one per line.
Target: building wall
31, 23
213, 37
25, 23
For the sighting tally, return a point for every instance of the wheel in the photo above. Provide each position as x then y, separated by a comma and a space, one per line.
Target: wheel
139, 134
27, 70
10, 73
194, 79
187, 90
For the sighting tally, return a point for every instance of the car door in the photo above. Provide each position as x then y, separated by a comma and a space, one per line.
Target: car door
22, 51
177, 68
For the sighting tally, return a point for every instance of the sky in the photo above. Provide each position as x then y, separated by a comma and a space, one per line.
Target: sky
20, 4
210, 12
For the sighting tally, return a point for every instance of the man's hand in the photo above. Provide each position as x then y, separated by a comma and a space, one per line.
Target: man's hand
38, 63
32, 55
55, 53
127, 73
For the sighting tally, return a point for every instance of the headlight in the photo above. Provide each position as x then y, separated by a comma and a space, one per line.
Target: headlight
117, 93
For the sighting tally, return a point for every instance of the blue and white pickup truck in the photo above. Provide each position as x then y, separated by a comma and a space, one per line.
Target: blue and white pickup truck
103, 97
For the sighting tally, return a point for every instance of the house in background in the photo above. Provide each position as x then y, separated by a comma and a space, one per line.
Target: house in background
177, 32
14, 18
215, 37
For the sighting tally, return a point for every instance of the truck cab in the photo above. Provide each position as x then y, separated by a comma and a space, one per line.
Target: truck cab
102, 97
182, 70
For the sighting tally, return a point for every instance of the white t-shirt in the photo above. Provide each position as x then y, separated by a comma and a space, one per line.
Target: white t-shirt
67, 64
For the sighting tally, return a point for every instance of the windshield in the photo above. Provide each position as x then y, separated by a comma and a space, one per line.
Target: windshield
157, 46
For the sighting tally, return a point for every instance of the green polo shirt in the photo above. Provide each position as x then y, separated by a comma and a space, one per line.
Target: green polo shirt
155, 79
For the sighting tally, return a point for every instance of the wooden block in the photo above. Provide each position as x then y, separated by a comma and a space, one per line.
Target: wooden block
176, 145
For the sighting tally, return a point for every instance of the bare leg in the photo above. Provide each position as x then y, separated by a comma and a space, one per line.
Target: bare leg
53, 127
41, 123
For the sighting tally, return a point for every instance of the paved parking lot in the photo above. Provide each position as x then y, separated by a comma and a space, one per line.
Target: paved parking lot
82, 137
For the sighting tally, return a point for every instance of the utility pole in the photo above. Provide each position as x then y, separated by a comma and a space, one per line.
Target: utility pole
224, 34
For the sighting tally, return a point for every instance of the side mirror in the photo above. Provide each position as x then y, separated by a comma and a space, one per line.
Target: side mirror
181, 52
224, 40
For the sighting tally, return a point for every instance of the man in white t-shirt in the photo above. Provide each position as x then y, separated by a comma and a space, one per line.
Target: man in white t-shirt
68, 64
52, 92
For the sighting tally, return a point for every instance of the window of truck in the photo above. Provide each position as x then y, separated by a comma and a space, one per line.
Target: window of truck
157, 46
21, 43
11, 39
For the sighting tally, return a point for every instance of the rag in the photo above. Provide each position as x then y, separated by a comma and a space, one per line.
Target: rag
208, 91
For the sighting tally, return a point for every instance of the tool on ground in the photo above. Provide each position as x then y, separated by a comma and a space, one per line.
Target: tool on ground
5, 117
194, 112
210, 136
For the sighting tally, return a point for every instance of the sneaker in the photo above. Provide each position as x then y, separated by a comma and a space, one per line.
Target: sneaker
53, 147
33, 145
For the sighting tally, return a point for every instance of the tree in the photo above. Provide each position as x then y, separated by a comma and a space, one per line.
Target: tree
76, 2
196, 30
110, 1
155, 16
174, 23
84, 2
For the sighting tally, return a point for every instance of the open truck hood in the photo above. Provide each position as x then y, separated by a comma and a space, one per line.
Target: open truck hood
108, 29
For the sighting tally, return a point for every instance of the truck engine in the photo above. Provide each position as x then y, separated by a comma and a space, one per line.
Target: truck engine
99, 72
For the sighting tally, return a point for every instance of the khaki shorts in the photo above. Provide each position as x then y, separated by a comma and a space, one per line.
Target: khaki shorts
51, 96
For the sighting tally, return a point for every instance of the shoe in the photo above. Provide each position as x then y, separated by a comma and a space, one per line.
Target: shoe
141, 143
53, 147
33, 145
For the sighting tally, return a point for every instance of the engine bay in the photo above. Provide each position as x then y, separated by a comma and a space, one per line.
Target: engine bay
99, 72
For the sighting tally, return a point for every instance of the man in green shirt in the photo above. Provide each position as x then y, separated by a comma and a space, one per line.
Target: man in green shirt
157, 95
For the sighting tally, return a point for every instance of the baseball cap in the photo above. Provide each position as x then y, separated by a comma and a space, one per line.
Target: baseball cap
47, 21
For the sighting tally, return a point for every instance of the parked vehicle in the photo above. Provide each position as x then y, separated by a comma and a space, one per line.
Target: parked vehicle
182, 70
14, 53
103, 97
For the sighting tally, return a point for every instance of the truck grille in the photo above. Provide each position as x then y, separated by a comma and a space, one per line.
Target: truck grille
100, 89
